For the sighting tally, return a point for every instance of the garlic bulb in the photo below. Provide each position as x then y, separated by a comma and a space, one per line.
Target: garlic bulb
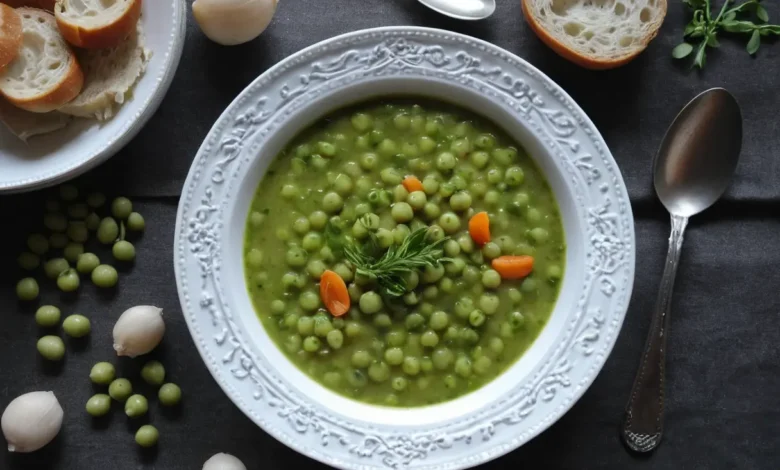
231, 22
223, 462
31, 421
139, 330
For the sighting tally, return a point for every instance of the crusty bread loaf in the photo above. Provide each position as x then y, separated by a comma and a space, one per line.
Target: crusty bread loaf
109, 74
46, 74
97, 24
43, 4
24, 124
10, 35
596, 34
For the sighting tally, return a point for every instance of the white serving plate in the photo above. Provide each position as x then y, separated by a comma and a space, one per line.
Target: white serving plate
470, 430
52, 158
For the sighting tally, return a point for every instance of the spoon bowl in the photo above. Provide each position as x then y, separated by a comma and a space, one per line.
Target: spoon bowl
687, 176
471, 10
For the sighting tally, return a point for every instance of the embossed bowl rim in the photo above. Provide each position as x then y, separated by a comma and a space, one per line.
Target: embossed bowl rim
209, 238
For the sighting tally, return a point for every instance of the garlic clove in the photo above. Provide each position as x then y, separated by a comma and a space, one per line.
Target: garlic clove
138, 331
31, 421
231, 22
223, 462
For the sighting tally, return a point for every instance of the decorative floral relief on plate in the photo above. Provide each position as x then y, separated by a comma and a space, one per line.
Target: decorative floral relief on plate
569, 137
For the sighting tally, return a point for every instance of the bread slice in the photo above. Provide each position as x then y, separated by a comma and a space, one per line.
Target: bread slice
10, 35
97, 24
42, 4
596, 34
46, 74
24, 124
109, 74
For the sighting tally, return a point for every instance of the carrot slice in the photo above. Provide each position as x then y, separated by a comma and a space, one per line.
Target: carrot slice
513, 267
479, 228
334, 294
412, 184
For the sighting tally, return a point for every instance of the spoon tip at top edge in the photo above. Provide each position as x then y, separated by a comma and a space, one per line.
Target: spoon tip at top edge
468, 10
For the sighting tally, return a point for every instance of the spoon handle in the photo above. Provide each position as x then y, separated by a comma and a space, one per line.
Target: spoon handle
643, 423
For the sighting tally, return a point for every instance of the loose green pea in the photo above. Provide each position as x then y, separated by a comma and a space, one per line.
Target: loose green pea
58, 240
369, 161
429, 339
516, 319
394, 356
309, 301
107, 231
123, 250
153, 373
76, 326
55, 266
335, 339
105, 276
370, 303
378, 371
77, 231
402, 212
361, 359
353, 329
68, 281
147, 436
27, 289
120, 389
296, 257
102, 373
96, 200
491, 279
332, 202
449, 222
312, 241
439, 320
514, 176
121, 208
98, 405
442, 358
92, 221
78, 211
383, 320
460, 201
169, 394
51, 348
362, 122
477, 318
47, 316
55, 222
136, 406
38, 243
68, 192
28, 261
414, 321
72, 251
538, 235
489, 303
446, 161
311, 344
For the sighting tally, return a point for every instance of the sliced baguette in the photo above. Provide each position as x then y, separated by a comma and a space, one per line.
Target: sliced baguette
24, 124
42, 4
97, 24
46, 74
10, 35
109, 74
596, 34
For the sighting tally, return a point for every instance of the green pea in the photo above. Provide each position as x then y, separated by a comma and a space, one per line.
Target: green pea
120, 389
102, 373
411, 365
305, 326
51, 348
429, 339
491, 250
463, 366
460, 147
72, 251
326, 149
471, 274
332, 202
458, 182
107, 231
301, 225
27, 289
449, 222
394, 356
411, 298
28, 261
439, 320
289, 191
455, 266
399, 384
123, 250
52, 205
311, 344
489, 303
315, 268
105, 276
370, 302
426, 144
55, 222
477, 318
296, 257
135, 222
414, 321
153, 373
460, 201
55, 266
491, 279
92, 221
76, 326
312, 241
68, 192
442, 358
147, 436
335, 339
506, 330
98, 405
322, 326
352, 329
38, 243
554, 272
68, 281
387, 148
78, 211
383, 320
278, 307
121, 208
516, 319
402, 212
58, 240
293, 343
529, 285
379, 371
291, 320
446, 161
96, 200
318, 219
87, 262
539, 235
361, 359
47, 316
362, 122
533, 215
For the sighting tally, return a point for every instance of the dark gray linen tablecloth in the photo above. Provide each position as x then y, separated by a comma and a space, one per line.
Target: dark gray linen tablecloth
723, 402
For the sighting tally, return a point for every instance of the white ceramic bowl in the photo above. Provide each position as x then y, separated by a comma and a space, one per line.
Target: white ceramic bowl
467, 431
52, 158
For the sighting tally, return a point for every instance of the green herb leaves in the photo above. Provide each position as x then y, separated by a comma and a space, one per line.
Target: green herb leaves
415, 252
738, 19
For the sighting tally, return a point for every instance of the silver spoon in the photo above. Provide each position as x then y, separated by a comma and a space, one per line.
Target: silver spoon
693, 167
462, 9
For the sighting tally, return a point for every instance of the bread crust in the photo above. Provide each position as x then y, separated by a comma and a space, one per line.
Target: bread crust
10, 35
99, 36
68, 87
588, 61
42, 4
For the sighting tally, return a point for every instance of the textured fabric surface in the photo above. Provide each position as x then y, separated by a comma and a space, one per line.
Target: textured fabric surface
723, 390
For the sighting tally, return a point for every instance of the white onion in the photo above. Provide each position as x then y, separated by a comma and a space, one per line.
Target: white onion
138, 331
31, 421
223, 462
231, 22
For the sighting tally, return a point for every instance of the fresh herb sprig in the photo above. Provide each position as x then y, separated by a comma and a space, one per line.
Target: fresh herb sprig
415, 252
738, 19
